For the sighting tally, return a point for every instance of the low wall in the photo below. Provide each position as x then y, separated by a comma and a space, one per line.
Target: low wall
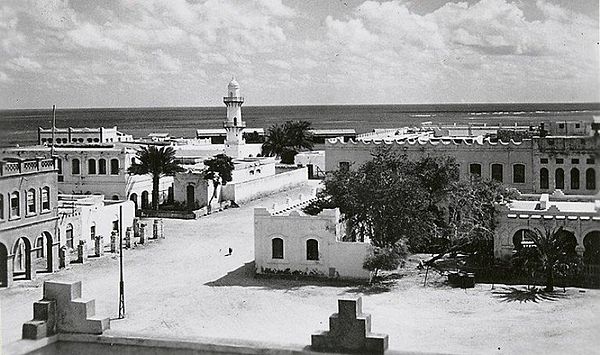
249, 190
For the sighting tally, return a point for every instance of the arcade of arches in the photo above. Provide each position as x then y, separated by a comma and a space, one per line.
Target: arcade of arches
27, 256
589, 249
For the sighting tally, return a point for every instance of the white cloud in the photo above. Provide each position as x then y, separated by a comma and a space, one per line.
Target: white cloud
4, 78
92, 36
167, 62
24, 64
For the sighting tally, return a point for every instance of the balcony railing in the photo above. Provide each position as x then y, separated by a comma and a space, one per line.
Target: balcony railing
26, 166
233, 99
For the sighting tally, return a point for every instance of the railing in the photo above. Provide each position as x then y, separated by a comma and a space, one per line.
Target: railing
233, 99
28, 166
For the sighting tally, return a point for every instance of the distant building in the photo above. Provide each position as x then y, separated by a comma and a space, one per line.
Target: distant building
28, 202
78, 136
299, 244
100, 170
533, 165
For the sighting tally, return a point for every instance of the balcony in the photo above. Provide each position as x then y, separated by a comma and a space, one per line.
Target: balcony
17, 166
228, 99
230, 124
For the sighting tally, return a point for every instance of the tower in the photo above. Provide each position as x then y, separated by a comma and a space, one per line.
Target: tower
234, 125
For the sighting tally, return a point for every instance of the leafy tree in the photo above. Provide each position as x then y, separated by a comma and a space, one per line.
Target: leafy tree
385, 259
389, 198
156, 162
553, 252
469, 217
219, 171
285, 141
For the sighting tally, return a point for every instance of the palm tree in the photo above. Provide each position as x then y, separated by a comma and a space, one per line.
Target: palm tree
219, 172
287, 140
157, 162
555, 251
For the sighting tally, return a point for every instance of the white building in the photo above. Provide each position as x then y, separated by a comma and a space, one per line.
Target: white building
82, 218
100, 170
296, 243
71, 136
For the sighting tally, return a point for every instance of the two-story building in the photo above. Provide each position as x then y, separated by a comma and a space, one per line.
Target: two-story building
28, 238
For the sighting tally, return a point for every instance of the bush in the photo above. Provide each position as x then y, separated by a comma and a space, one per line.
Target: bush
385, 258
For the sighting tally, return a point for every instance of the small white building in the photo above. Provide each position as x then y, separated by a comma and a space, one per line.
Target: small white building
82, 218
297, 243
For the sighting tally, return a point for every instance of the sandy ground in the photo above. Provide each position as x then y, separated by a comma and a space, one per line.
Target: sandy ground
184, 286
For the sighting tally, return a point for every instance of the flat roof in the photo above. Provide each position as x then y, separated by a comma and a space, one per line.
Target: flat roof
563, 206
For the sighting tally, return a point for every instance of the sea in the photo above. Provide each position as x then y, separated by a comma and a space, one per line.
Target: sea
19, 127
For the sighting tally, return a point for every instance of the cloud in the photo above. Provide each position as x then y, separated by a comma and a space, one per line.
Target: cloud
167, 62
24, 64
4, 78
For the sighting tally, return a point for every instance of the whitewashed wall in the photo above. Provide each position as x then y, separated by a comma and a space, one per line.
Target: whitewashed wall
246, 191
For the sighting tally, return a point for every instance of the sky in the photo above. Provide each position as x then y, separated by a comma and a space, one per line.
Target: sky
151, 53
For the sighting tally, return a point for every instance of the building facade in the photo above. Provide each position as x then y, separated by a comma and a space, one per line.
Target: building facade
101, 170
77, 136
28, 217
296, 243
537, 165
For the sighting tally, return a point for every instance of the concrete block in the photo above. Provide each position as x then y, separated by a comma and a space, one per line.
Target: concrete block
46, 310
349, 331
34, 329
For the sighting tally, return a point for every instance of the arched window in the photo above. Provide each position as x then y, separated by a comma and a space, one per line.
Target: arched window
559, 178
277, 248
102, 166
45, 198
30, 201
497, 172
59, 166
145, 201
590, 179
518, 174
312, 249
574, 179
544, 183
522, 238
475, 169
115, 197
39, 246
92, 166
69, 235
15, 208
75, 167
114, 166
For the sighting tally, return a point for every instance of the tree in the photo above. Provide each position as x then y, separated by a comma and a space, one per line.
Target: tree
389, 198
156, 162
285, 141
385, 259
469, 217
219, 169
553, 252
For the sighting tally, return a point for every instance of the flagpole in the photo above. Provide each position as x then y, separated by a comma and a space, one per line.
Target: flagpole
53, 128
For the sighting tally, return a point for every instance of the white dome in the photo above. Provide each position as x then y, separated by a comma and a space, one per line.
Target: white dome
233, 84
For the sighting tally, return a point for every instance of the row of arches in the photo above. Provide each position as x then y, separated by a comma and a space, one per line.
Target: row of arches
575, 179
94, 167
591, 243
312, 249
26, 258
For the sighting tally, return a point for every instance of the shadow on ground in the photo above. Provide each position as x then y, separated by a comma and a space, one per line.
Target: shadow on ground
244, 276
524, 295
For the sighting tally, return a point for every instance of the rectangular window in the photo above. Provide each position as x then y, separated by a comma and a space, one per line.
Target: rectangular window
344, 166
46, 199
15, 210
497, 172
577, 125
30, 202
519, 174
559, 160
475, 169
574, 161
544, 160
590, 161
561, 125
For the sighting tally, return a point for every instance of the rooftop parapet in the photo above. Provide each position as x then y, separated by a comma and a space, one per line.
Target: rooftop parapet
431, 141
16, 166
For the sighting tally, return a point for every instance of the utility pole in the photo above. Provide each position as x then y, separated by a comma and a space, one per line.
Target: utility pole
121, 282
53, 129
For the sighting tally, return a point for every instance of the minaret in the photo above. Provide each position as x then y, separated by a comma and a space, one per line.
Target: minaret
234, 125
